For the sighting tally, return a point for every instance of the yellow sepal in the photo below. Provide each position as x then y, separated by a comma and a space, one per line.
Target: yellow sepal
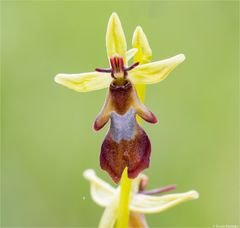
154, 204
115, 38
155, 71
84, 82
101, 192
107, 196
140, 41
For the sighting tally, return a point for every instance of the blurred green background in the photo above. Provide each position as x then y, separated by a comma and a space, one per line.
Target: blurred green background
47, 137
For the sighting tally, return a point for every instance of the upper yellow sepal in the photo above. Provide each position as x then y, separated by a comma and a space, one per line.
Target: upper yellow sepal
115, 38
140, 41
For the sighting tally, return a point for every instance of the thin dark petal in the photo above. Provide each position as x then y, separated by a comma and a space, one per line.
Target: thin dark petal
102, 70
159, 190
132, 66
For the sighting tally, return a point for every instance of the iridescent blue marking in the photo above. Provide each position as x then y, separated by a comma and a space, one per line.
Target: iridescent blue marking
123, 126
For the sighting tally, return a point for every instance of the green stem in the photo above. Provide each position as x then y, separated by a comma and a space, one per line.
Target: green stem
125, 190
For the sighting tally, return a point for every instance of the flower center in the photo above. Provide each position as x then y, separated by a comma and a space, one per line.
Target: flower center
117, 70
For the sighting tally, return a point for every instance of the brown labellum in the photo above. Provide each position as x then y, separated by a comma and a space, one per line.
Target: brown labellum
126, 144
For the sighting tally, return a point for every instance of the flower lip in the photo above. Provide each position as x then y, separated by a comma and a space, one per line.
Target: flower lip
117, 70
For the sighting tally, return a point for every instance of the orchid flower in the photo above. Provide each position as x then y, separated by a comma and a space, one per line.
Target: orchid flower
141, 201
126, 148
126, 144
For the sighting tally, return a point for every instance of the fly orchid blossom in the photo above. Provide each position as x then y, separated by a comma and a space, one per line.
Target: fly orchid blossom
141, 201
126, 144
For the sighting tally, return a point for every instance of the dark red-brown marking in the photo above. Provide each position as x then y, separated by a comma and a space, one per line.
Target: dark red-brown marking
121, 96
134, 154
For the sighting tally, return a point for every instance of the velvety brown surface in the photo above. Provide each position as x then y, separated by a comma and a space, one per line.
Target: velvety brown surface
126, 144
134, 154
121, 95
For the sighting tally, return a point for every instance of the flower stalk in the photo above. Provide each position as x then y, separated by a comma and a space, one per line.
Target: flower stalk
125, 191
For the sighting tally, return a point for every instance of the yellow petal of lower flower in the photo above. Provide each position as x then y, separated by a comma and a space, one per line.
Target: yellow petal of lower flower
130, 53
101, 192
139, 41
115, 38
153, 204
84, 82
155, 71
110, 214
